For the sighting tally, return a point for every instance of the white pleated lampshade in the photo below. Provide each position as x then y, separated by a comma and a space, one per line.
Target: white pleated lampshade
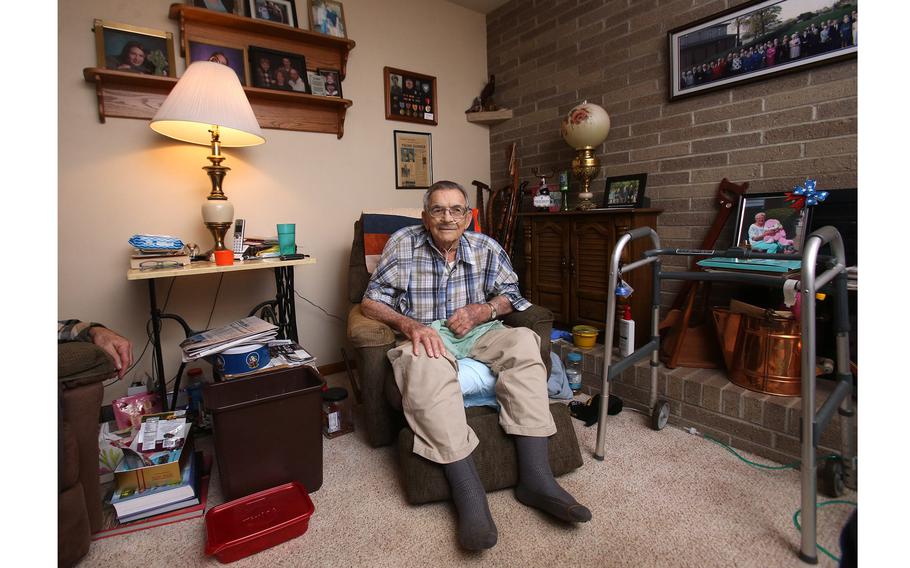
208, 94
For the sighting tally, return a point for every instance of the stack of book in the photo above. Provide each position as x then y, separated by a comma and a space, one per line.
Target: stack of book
131, 510
249, 330
260, 247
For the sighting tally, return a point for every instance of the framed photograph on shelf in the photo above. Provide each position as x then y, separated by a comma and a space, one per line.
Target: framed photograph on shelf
134, 49
270, 69
233, 57
767, 222
413, 160
317, 83
332, 82
327, 17
409, 96
226, 6
625, 191
756, 40
278, 11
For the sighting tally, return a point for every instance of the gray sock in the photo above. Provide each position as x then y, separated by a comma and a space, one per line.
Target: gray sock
538, 488
476, 529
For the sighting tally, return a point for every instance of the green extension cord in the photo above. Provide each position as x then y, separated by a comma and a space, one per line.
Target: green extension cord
786, 466
819, 506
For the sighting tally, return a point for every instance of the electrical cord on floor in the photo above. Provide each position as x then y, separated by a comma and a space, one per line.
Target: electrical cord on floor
757, 465
819, 506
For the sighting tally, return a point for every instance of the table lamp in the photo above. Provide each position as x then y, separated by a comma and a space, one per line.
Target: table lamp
585, 128
208, 106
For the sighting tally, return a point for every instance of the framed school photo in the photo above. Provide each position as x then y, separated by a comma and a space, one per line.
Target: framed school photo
124, 47
413, 160
332, 82
233, 57
409, 96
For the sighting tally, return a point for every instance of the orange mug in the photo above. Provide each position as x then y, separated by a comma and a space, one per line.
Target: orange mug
224, 257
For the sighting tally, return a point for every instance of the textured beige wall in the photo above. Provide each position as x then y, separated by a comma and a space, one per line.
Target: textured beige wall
121, 178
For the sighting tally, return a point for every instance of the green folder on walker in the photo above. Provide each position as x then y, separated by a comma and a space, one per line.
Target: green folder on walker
753, 264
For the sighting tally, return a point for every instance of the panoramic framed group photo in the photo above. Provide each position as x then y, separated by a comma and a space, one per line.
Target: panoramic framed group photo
625, 191
756, 40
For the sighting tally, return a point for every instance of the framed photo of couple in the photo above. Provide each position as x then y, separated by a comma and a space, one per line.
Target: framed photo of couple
767, 222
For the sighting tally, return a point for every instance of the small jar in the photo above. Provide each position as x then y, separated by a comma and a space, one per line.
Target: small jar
573, 370
337, 417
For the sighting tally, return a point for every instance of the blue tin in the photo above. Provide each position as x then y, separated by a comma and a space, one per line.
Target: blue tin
243, 359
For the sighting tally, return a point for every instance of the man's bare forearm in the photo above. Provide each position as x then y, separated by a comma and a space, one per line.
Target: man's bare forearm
503, 306
381, 312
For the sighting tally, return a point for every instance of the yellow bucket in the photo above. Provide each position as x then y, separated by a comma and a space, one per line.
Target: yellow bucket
584, 336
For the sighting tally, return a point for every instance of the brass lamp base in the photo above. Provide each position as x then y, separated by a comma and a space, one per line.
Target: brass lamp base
585, 167
218, 230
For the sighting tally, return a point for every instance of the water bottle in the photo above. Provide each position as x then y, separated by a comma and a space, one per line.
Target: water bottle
573, 370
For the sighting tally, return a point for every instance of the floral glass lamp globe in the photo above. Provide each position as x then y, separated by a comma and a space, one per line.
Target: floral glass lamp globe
585, 128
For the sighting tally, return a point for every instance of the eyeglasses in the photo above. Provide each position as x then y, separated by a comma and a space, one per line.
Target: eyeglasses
458, 212
155, 264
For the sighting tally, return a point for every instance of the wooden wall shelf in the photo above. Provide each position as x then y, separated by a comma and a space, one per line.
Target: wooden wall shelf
489, 117
132, 95
319, 49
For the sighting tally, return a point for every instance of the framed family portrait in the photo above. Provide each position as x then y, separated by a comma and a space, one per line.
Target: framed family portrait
409, 96
760, 39
233, 57
279, 70
327, 17
278, 11
226, 6
413, 160
767, 222
625, 191
134, 49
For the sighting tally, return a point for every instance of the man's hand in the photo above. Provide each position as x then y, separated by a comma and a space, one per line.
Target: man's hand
426, 336
118, 347
466, 318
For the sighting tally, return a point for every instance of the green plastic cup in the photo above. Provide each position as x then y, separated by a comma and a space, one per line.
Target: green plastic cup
286, 238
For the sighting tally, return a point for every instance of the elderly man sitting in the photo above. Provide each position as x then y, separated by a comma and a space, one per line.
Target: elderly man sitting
444, 290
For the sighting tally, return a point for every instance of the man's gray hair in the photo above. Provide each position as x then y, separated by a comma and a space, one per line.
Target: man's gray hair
444, 184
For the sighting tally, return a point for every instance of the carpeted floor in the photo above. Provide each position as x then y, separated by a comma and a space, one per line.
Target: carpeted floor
658, 499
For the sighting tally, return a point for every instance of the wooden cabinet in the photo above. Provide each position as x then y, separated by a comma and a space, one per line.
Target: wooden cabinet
567, 261
133, 95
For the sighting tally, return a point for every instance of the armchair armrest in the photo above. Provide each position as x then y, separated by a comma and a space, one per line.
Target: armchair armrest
366, 332
80, 363
539, 320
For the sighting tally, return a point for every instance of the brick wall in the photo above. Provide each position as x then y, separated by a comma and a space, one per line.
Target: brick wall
548, 55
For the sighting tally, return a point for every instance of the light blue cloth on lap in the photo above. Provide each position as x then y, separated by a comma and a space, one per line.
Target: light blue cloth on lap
478, 385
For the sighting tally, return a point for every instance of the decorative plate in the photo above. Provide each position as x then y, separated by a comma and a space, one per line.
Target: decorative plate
155, 242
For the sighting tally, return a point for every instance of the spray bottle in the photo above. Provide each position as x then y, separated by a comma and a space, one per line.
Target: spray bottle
626, 333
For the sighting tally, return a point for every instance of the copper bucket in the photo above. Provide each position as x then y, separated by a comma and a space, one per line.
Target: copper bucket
766, 356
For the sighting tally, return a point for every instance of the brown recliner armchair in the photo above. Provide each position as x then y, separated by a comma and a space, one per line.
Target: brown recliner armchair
495, 457
81, 370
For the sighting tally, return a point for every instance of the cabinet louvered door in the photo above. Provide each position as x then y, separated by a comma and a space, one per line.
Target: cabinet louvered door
549, 267
592, 244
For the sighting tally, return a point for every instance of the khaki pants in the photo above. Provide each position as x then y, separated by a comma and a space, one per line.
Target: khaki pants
434, 407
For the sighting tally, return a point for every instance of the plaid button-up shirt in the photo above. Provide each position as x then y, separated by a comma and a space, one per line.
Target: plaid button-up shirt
412, 277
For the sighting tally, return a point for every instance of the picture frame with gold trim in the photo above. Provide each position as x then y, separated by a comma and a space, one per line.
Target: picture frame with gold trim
134, 49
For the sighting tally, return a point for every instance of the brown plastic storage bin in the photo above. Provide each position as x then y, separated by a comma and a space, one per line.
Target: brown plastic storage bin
268, 430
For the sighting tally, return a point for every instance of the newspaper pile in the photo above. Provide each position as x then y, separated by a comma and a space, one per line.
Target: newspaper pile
250, 330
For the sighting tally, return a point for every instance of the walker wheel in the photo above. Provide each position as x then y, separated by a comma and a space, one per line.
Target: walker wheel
833, 478
660, 415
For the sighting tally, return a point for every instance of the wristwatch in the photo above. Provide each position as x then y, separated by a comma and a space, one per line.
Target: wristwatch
492, 311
